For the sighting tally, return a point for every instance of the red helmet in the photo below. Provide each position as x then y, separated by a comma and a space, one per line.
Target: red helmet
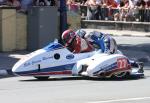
67, 36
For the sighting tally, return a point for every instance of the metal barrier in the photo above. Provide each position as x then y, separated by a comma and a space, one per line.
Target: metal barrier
143, 15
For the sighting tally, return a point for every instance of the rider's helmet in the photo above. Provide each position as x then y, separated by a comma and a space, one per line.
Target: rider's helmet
81, 33
68, 36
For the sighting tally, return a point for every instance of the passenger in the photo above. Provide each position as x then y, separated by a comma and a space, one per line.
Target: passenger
106, 43
75, 43
102, 41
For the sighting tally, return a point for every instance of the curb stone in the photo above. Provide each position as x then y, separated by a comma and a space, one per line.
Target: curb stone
4, 72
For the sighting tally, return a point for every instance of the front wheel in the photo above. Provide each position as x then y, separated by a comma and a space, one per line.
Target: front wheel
42, 78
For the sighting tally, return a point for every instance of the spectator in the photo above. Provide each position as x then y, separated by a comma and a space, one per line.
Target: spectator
14, 3
25, 4
141, 6
93, 9
147, 10
3, 2
53, 2
133, 11
72, 5
82, 2
147, 3
111, 5
123, 10
42, 2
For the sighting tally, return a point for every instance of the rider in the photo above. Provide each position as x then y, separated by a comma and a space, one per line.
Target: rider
105, 42
75, 43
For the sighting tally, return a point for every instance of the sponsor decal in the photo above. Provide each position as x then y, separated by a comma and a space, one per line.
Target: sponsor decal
70, 56
27, 64
36, 61
45, 58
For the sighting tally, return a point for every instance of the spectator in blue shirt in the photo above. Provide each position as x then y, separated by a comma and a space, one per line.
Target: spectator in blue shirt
25, 4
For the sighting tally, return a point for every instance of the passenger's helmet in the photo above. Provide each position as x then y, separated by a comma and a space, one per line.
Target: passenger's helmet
81, 33
68, 36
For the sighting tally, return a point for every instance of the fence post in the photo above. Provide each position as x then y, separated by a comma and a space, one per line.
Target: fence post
7, 29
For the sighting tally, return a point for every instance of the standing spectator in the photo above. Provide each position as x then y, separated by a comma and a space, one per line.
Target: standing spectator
133, 11
147, 10
3, 2
42, 2
82, 2
53, 2
111, 5
147, 3
93, 10
14, 3
141, 4
25, 4
72, 5
123, 10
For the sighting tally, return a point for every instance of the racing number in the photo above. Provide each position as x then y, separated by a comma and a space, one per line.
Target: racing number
122, 63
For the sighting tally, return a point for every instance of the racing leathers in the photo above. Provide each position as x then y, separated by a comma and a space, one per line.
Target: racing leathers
75, 43
80, 45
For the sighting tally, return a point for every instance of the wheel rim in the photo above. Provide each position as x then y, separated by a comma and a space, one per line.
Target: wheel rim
120, 74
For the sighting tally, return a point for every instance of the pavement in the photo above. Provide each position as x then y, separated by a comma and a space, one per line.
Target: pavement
8, 59
122, 32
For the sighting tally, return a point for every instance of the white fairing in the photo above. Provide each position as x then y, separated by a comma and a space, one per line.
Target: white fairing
46, 61
99, 63
55, 59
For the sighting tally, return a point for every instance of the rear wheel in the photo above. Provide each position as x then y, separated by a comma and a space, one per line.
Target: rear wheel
120, 74
42, 78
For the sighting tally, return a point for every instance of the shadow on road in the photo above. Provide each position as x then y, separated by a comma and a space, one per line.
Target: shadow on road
84, 78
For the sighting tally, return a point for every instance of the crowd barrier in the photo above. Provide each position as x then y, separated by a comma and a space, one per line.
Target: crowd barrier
143, 15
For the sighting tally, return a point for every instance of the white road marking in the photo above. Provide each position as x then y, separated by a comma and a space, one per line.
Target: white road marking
121, 100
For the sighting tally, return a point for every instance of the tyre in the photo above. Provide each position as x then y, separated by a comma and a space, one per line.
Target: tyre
120, 74
42, 78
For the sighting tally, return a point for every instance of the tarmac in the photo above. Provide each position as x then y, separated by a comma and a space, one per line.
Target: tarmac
8, 59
